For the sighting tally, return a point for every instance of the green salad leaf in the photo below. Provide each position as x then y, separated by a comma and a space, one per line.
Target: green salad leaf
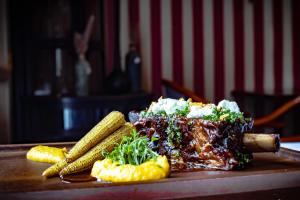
133, 149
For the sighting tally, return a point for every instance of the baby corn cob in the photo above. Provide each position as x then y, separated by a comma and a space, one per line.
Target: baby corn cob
55, 169
106, 126
46, 154
87, 160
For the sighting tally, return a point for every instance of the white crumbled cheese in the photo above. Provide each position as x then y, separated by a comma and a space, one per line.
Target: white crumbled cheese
170, 106
230, 105
201, 111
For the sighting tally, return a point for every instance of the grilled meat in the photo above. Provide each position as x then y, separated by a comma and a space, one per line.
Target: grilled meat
197, 143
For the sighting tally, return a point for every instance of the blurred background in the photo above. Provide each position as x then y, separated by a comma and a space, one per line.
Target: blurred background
64, 64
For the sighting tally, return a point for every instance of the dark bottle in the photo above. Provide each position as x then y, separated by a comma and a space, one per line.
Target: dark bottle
133, 68
117, 82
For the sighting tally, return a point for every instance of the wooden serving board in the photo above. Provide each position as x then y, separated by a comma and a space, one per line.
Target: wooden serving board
275, 175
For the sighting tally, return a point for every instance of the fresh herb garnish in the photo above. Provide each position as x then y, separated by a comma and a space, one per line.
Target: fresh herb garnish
152, 114
133, 149
224, 114
173, 131
243, 159
153, 139
165, 112
143, 113
174, 135
184, 112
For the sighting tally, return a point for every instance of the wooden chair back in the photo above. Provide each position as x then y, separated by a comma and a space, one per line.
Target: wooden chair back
278, 112
175, 90
263, 111
272, 113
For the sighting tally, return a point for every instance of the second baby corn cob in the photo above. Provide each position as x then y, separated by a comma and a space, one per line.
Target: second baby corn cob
87, 160
55, 169
106, 126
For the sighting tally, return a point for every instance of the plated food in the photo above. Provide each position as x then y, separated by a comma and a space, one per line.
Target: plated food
132, 160
108, 132
171, 135
196, 135
46, 154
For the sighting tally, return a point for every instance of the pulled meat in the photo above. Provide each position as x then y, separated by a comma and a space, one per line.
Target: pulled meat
201, 143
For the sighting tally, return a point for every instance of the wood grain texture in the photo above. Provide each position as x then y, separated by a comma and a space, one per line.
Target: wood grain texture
21, 179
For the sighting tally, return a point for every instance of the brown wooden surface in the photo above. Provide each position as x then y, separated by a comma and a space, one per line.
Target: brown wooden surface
290, 139
275, 175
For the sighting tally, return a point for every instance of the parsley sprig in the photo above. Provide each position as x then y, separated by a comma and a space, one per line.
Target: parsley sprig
174, 135
173, 132
243, 159
134, 150
184, 112
224, 114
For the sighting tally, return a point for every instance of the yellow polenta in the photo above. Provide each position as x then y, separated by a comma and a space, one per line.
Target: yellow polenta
46, 154
108, 170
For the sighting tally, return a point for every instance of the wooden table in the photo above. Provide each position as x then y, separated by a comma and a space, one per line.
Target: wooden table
271, 176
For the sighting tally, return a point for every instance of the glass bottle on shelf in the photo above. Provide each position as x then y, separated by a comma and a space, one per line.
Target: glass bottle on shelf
82, 72
133, 68
61, 88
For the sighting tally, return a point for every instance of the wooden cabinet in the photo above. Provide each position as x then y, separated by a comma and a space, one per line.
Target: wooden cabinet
69, 118
44, 56
45, 107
